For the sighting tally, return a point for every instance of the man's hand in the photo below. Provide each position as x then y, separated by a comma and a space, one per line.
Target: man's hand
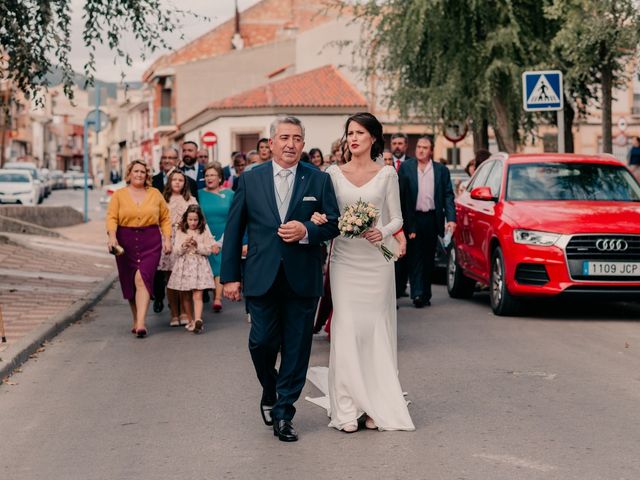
412, 236
292, 231
231, 291
451, 226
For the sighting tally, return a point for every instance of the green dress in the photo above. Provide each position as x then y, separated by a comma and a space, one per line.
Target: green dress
215, 207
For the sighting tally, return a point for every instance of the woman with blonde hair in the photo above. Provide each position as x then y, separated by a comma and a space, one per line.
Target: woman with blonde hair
136, 216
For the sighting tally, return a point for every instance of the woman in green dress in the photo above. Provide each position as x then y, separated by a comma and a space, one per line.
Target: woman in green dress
215, 202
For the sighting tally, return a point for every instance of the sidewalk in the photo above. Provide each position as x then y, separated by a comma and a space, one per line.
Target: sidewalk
47, 283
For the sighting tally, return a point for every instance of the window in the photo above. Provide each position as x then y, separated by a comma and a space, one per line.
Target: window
494, 180
480, 177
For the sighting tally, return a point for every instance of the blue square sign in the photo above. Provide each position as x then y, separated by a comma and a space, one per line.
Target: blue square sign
542, 91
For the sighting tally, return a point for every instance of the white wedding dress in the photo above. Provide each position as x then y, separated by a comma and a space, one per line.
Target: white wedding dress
363, 370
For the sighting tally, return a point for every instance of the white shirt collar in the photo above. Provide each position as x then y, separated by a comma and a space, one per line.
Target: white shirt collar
277, 168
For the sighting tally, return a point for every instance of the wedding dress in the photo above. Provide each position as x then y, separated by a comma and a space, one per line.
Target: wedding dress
363, 371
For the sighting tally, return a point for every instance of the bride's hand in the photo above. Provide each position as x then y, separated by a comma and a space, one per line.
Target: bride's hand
319, 218
373, 235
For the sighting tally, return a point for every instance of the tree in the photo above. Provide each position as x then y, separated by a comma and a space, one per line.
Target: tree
35, 36
594, 41
451, 59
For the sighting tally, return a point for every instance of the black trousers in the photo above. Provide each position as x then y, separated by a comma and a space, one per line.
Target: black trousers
402, 276
281, 321
159, 285
421, 253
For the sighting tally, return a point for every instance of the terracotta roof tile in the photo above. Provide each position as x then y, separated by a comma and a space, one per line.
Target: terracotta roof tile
321, 87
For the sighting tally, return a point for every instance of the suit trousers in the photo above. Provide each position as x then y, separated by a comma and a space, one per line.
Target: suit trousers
159, 285
421, 253
281, 321
402, 276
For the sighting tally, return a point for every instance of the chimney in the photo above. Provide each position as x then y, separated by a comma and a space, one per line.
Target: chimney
236, 41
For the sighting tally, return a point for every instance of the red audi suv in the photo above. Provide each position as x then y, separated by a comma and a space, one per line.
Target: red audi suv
544, 225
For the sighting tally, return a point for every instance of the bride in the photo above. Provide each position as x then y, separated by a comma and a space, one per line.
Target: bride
363, 371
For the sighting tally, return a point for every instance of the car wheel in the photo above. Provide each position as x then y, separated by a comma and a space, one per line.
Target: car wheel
458, 285
502, 302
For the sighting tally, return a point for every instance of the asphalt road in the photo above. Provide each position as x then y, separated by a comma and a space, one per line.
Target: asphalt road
553, 395
75, 199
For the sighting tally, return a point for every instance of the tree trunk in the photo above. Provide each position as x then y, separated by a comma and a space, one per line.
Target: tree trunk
607, 77
569, 117
503, 129
480, 130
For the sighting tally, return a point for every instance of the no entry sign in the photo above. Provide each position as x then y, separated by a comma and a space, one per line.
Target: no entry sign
209, 139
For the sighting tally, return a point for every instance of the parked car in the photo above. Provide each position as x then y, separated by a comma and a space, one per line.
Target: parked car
76, 181
18, 186
547, 225
107, 191
57, 177
45, 178
35, 175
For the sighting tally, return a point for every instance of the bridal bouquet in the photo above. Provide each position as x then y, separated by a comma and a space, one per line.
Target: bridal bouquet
359, 217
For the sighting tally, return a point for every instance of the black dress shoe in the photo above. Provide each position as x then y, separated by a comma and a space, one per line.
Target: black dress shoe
283, 429
265, 411
418, 302
158, 305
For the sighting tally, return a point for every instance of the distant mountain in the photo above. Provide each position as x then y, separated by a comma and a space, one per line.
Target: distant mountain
55, 78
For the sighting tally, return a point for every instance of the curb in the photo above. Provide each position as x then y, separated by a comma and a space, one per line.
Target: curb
19, 353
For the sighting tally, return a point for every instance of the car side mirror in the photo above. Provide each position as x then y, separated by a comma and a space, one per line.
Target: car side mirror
482, 193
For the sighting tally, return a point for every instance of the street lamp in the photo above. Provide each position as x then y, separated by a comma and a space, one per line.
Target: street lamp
98, 120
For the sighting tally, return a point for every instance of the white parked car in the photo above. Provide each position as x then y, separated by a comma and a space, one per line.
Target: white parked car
76, 181
33, 170
107, 191
18, 186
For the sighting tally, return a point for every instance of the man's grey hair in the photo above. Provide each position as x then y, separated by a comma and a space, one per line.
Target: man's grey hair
171, 149
251, 153
400, 135
285, 119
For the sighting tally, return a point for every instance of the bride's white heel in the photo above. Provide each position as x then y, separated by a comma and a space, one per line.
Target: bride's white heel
350, 427
370, 424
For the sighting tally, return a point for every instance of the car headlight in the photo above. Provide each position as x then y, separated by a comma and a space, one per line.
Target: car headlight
531, 237
22, 193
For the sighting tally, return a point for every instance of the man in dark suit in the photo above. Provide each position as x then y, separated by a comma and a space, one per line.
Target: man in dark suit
399, 145
283, 271
191, 168
168, 161
427, 201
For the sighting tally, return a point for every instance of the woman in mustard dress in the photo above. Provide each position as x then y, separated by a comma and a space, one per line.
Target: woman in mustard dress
136, 216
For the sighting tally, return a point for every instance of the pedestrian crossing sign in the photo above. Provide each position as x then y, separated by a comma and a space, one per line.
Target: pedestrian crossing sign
542, 91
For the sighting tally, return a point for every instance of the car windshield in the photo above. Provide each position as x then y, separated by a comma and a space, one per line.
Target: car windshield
571, 181
14, 178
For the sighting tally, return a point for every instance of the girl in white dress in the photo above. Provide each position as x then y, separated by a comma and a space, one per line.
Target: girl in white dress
363, 371
178, 197
191, 270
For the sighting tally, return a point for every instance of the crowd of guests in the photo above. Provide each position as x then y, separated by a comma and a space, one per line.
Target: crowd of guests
167, 229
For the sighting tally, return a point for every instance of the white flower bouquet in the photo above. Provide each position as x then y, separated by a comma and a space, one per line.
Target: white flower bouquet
357, 219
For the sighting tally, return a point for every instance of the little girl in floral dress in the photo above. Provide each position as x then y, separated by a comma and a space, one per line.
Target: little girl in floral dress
191, 270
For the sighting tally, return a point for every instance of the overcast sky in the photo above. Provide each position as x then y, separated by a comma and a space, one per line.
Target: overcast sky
218, 11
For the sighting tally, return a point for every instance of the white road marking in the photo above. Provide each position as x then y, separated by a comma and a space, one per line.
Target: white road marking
545, 375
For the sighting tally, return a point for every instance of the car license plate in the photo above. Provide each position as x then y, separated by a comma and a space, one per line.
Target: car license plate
614, 269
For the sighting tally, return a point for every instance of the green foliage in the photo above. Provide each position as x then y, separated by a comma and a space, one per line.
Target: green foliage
453, 59
35, 36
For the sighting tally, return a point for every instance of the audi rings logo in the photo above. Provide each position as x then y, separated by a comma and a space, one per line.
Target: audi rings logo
611, 245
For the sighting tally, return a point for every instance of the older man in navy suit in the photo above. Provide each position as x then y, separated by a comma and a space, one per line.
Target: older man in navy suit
427, 202
283, 271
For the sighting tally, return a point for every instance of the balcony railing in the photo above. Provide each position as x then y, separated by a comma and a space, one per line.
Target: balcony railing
166, 116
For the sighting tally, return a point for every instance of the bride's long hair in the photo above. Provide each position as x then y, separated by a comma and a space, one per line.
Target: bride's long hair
373, 126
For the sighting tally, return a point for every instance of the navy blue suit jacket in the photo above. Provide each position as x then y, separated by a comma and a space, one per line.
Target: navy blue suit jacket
255, 210
443, 193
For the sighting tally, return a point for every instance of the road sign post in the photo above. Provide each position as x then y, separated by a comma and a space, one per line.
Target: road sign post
542, 92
